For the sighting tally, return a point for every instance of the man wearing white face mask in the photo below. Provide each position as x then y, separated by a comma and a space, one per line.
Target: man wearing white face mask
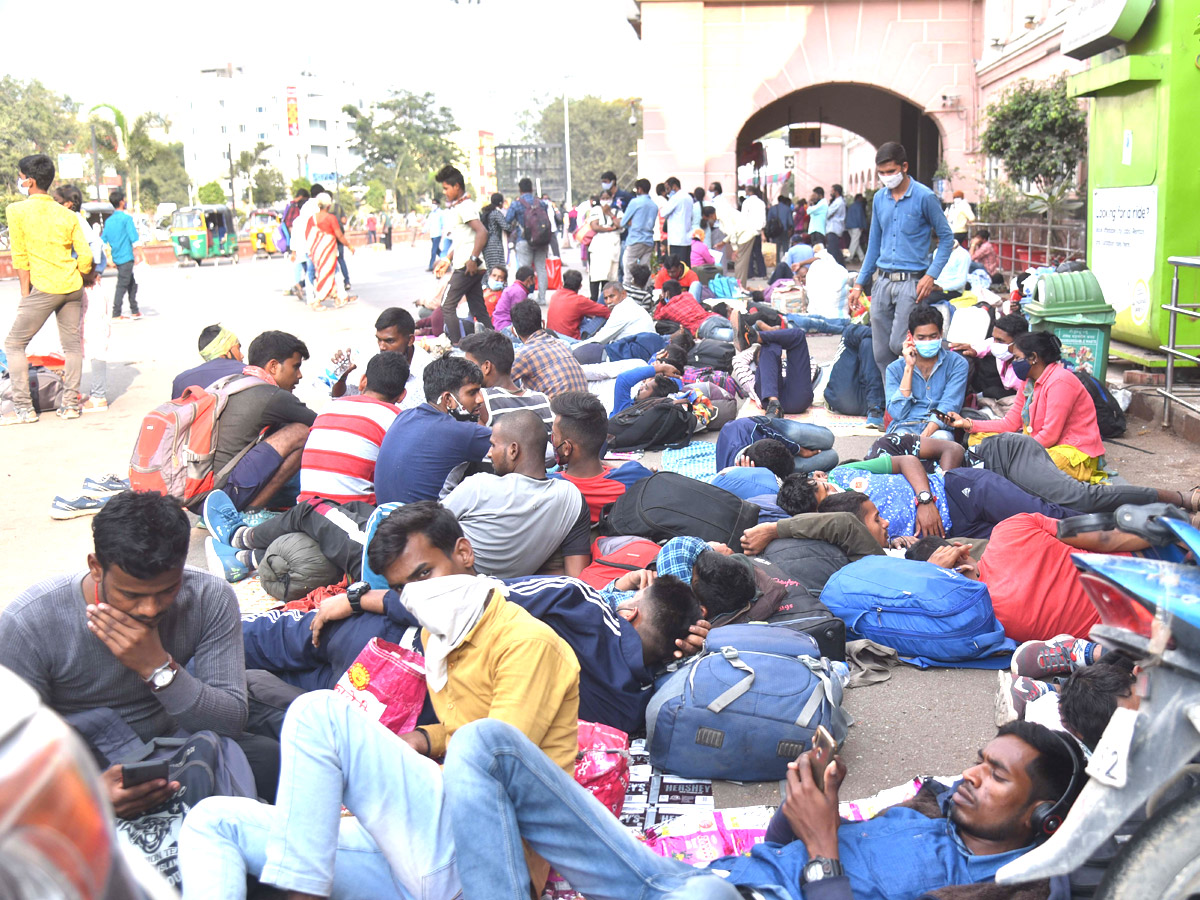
425, 445
905, 216
928, 379
485, 657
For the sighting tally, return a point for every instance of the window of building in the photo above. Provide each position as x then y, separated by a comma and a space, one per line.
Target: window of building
242, 128
222, 129
318, 124
317, 150
262, 135
259, 109
222, 102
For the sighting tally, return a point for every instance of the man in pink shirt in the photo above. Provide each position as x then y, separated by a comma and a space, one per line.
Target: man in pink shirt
524, 282
568, 307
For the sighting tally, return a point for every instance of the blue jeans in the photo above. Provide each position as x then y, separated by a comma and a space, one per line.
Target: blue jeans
810, 437
718, 328
398, 845
501, 788
434, 245
342, 264
794, 393
855, 387
817, 324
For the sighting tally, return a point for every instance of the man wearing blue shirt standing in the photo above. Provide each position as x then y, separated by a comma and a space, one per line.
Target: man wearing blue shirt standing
121, 235
529, 254
677, 216
905, 215
927, 377
638, 222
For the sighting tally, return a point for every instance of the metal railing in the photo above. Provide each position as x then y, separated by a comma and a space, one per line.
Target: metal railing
1025, 244
1173, 350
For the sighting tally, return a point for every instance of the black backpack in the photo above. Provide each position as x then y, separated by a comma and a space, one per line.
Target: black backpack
803, 566
774, 228
536, 223
652, 424
668, 505
714, 354
1109, 415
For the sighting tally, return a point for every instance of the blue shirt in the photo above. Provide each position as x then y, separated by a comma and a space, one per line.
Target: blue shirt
205, 374
677, 216
900, 854
901, 231
422, 446
625, 383
893, 496
816, 217
639, 218
856, 214
516, 213
747, 482
945, 389
120, 234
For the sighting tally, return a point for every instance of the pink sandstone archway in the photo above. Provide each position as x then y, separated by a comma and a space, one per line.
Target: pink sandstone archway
885, 69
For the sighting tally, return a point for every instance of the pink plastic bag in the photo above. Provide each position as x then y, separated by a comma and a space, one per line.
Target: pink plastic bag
602, 765
387, 682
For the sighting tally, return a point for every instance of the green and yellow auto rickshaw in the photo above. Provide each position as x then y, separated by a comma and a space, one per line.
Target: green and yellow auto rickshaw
204, 232
264, 228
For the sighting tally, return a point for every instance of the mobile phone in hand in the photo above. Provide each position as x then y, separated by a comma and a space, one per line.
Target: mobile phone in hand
133, 774
824, 747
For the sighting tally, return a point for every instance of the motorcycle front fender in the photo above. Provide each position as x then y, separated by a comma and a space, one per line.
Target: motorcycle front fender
1166, 738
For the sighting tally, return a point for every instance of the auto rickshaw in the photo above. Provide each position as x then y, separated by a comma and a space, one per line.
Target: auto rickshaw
204, 232
265, 230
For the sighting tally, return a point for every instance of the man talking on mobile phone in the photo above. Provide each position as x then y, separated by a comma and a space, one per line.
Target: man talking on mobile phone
905, 216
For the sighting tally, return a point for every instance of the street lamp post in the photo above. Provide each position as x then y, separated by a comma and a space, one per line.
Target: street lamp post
567, 146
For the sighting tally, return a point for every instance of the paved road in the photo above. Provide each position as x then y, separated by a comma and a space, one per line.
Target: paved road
920, 722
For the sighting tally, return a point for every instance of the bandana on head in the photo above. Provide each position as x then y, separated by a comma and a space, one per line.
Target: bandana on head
220, 345
448, 608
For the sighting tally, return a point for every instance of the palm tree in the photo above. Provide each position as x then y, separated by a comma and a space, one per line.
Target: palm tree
142, 150
249, 160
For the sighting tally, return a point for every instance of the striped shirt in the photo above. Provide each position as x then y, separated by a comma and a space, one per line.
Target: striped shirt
341, 450
498, 401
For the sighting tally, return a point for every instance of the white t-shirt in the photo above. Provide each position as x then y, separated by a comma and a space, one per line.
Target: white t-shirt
299, 236
461, 234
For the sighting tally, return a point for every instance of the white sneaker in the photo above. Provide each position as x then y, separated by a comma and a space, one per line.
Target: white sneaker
94, 405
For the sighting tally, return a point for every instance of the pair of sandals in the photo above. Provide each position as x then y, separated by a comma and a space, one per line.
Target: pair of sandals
319, 306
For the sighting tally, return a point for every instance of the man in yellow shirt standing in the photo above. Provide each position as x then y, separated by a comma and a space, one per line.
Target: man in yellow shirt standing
485, 657
43, 235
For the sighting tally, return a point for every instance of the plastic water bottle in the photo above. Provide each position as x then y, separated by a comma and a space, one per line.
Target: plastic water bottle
840, 672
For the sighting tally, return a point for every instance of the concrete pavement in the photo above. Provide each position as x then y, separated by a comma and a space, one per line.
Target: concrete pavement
920, 722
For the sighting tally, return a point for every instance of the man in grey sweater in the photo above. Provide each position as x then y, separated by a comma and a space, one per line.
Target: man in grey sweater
138, 633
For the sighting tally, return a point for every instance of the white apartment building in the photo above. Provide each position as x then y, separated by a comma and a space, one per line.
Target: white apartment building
299, 115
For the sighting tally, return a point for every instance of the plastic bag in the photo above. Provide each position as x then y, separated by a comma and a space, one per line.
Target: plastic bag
602, 764
387, 682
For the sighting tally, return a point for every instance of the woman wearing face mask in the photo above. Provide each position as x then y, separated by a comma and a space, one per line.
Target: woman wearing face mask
494, 286
992, 379
1054, 408
605, 247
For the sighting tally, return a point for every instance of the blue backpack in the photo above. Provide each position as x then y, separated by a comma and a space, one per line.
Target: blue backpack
931, 616
745, 706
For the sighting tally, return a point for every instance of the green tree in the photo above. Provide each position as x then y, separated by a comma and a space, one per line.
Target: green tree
163, 179
1039, 133
602, 139
298, 183
33, 119
268, 186
376, 195
141, 151
211, 193
247, 162
403, 141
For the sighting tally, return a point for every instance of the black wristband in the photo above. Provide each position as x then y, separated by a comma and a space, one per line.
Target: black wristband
428, 742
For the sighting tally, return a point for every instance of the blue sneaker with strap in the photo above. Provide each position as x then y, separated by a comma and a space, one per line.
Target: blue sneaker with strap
221, 517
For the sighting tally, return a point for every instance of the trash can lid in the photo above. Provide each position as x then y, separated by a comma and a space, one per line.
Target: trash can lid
1069, 293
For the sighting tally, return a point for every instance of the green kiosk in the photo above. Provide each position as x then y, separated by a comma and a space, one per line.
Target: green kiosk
1143, 160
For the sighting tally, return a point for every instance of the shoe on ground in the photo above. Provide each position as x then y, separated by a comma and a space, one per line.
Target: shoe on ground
104, 486
875, 419
774, 410
62, 508
1061, 655
68, 412
223, 561
1014, 695
21, 417
136, 316
94, 405
221, 517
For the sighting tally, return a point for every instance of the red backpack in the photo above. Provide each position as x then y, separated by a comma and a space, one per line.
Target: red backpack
630, 555
536, 223
177, 442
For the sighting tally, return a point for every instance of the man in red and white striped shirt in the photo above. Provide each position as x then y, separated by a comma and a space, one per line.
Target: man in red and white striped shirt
343, 443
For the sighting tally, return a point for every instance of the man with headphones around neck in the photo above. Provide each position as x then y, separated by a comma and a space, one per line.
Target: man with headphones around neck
1013, 797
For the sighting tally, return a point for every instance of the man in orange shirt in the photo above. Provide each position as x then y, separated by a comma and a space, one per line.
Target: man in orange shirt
568, 307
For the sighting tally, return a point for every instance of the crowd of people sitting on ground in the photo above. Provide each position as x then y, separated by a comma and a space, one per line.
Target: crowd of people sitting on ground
486, 506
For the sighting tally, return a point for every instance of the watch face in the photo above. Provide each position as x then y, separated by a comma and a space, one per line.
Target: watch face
814, 870
358, 588
164, 677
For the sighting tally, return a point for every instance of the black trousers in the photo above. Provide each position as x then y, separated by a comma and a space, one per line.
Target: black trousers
126, 284
469, 286
338, 529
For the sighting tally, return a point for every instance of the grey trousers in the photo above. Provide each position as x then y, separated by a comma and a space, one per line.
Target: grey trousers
635, 253
535, 257
32, 313
1025, 463
891, 303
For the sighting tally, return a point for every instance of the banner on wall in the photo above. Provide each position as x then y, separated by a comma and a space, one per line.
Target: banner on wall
293, 113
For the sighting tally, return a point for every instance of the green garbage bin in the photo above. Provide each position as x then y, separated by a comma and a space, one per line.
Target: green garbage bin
1071, 305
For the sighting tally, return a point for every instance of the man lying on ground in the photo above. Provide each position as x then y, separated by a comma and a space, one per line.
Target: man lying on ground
484, 656
141, 637
810, 445
619, 636
501, 791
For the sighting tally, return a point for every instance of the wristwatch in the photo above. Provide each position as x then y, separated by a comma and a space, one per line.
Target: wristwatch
162, 677
354, 594
819, 868
475, 259
925, 497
